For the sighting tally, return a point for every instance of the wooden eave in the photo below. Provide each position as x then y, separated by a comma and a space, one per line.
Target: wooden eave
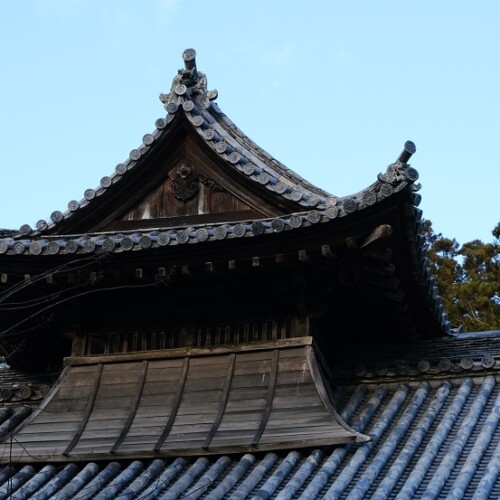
388, 190
255, 398
446, 408
372, 257
241, 240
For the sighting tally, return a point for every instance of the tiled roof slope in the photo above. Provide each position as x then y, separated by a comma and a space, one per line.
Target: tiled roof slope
435, 437
429, 440
19, 388
464, 355
124, 241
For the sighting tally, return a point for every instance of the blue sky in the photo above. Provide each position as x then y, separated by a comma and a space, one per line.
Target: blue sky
331, 88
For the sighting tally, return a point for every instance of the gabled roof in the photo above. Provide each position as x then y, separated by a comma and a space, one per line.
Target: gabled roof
194, 122
194, 144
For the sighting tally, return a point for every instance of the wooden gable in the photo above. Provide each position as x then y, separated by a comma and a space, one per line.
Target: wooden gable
197, 167
190, 187
180, 179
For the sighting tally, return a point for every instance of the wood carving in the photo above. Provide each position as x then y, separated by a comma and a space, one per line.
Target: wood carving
210, 183
184, 182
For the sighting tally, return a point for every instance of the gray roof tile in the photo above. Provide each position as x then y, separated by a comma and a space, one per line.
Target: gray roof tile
191, 102
428, 441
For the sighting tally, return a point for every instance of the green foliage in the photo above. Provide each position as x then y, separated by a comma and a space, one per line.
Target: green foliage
468, 279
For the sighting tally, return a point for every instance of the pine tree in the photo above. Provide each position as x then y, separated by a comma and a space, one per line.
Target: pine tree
468, 279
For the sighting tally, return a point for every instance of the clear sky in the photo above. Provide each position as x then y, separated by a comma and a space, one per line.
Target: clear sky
331, 88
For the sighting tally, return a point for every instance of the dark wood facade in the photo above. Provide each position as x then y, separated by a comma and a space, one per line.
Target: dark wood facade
202, 250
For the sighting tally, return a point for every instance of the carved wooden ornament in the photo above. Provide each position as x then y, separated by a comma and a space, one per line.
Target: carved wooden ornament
184, 182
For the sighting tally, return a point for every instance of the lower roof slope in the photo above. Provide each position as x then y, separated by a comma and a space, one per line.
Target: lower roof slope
192, 402
430, 439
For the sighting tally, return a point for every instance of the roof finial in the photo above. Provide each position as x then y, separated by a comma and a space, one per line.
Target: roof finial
189, 56
189, 83
409, 149
400, 170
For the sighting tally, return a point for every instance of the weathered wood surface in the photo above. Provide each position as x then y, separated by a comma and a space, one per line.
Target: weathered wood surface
181, 352
192, 187
214, 403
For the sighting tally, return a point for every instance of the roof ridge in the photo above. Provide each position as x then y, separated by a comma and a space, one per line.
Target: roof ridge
189, 95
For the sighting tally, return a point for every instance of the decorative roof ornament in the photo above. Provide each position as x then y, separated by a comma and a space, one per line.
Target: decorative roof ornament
400, 170
189, 82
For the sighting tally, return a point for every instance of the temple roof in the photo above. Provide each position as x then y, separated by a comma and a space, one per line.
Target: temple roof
191, 108
199, 195
431, 437
189, 105
367, 398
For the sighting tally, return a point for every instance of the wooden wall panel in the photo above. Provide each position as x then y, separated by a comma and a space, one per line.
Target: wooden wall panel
162, 202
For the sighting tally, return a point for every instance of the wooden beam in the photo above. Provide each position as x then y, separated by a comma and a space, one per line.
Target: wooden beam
175, 406
327, 252
186, 270
381, 293
390, 283
133, 408
379, 254
88, 411
306, 258
381, 269
382, 232
271, 389
181, 352
223, 401
257, 262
